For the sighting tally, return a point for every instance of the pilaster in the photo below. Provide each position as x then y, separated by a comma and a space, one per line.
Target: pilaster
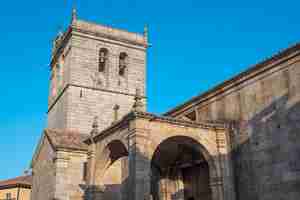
61, 176
139, 161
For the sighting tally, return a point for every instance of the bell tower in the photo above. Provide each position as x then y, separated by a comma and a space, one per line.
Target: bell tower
94, 69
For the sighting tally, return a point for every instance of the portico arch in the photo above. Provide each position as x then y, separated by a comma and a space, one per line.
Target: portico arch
182, 168
162, 152
109, 171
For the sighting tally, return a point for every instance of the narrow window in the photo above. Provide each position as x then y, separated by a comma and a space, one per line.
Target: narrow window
122, 64
102, 59
85, 168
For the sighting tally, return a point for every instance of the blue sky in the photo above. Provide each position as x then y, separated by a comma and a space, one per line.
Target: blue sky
196, 45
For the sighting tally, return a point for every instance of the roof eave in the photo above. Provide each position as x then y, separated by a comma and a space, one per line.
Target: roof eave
277, 57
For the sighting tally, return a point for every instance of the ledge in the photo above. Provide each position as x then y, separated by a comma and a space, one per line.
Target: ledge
152, 117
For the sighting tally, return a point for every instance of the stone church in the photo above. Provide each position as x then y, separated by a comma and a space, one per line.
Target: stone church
238, 141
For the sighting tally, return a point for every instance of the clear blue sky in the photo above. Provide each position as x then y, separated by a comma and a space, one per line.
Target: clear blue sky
196, 44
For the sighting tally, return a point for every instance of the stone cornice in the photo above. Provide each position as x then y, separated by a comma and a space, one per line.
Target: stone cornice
124, 122
100, 31
205, 125
251, 73
110, 33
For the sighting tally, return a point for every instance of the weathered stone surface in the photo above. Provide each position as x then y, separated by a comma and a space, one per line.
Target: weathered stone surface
243, 134
265, 109
43, 185
83, 92
141, 135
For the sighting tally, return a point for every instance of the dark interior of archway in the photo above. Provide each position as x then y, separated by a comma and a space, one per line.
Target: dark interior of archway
117, 150
117, 172
179, 171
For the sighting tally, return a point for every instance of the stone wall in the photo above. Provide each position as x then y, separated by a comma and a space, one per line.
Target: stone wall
43, 184
69, 182
58, 174
95, 103
86, 92
265, 106
57, 115
143, 134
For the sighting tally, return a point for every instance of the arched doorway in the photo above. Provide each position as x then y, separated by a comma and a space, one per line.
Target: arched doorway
112, 172
180, 171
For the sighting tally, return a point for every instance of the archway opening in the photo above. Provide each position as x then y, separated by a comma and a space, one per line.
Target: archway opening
115, 172
180, 171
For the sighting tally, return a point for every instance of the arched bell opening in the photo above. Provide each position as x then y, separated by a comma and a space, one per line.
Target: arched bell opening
113, 172
179, 171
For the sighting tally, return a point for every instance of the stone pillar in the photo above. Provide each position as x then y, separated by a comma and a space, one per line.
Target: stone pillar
139, 162
216, 186
225, 165
61, 177
179, 186
171, 188
95, 193
125, 178
91, 165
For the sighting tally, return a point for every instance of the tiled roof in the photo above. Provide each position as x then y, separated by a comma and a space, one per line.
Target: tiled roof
66, 139
21, 181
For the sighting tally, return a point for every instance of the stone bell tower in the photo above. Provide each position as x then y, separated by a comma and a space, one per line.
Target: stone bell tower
94, 70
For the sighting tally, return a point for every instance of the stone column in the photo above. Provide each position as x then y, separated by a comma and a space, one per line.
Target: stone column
91, 164
179, 186
139, 162
61, 178
125, 178
225, 165
216, 186
95, 193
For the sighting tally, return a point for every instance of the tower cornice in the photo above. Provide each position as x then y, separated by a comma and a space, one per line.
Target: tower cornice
98, 31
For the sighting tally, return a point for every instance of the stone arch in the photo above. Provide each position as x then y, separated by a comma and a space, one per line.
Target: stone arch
112, 151
109, 168
206, 146
103, 59
123, 64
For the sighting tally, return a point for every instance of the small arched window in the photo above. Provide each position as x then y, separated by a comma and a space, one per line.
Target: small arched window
102, 59
123, 63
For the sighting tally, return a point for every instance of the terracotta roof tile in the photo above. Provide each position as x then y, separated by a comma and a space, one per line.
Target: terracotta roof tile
24, 181
67, 139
